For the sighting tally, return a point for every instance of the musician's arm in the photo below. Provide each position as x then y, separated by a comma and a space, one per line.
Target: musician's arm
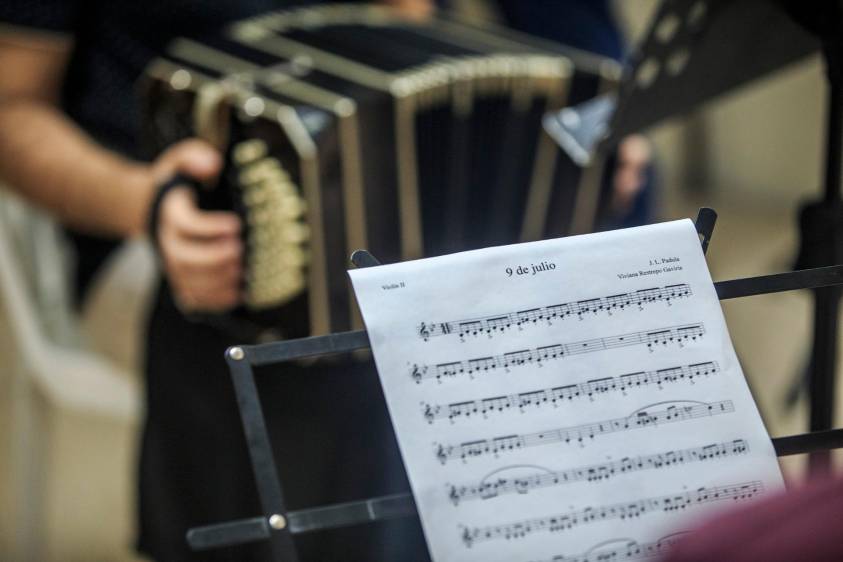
46, 158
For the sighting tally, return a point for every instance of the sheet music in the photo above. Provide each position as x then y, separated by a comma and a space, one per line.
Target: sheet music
568, 400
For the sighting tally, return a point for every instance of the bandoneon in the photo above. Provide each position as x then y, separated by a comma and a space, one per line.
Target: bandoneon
348, 127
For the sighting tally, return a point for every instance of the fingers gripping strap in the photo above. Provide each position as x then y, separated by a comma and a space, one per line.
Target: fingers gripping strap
154, 214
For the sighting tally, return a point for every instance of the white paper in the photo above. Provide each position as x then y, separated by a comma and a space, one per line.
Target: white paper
571, 398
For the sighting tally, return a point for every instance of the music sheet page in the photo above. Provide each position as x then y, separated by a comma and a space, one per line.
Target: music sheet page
567, 400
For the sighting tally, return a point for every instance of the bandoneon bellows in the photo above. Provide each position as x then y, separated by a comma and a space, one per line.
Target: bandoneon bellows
348, 127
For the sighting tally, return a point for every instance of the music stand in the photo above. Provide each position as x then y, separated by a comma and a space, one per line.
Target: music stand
695, 51
278, 525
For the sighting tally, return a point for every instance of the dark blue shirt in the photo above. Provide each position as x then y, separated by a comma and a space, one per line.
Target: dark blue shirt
114, 40
585, 24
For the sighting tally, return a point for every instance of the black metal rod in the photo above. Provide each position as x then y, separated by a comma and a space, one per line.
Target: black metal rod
809, 442
821, 384
362, 258
834, 124
779, 282
278, 352
706, 219
823, 372
352, 513
228, 534
260, 451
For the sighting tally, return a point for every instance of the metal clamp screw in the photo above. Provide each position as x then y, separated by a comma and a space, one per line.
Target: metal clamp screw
277, 521
236, 353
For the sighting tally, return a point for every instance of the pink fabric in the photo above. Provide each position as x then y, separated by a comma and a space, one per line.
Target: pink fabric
804, 525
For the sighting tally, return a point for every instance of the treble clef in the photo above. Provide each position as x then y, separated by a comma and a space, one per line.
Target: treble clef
424, 332
467, 537
441, 454
417, 372
429, 413
454, 495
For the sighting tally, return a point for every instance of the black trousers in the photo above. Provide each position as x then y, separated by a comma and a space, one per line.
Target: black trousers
331, 436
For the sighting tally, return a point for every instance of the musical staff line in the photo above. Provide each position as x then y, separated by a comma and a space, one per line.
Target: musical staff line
626, 510
651, 338
553, 396
580, 433
631, 550
493, 485
499, 323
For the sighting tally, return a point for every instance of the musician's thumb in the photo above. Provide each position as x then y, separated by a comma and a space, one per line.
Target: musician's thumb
192, 157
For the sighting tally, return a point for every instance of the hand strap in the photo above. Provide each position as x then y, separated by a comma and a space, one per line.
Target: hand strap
154, 214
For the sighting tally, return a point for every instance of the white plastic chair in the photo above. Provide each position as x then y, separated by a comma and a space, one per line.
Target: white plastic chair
48, 379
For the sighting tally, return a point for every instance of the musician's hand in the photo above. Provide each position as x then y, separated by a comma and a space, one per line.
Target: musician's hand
635, 154
201, 250
415, 9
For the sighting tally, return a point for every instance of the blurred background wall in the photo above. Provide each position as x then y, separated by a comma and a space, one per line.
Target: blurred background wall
70, 388
754, 155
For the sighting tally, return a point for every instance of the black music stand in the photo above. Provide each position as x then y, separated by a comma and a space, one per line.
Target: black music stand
277, 524
697, 50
